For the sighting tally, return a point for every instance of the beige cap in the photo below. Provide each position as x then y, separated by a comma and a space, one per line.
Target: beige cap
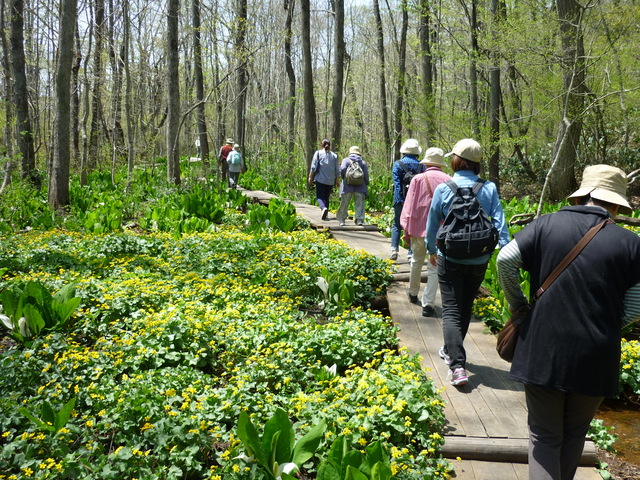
355, 150
468, 149
434, 156
411, 146
230, 141
605, 183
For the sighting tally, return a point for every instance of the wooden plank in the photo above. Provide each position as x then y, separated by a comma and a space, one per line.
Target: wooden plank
512, 450
493, 471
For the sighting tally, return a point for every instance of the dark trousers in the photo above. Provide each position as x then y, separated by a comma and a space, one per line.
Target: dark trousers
558, 423
323, 192
459, 285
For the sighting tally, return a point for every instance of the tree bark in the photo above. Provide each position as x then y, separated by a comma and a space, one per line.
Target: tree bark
8, 100
24, 132
473, 68
201, 122
402, 56
498, 10
242, 58
127, 88
386, 135
95, 128
563, 180
426, 65
310, 121
173, 93
59, 174
338, 79
289, 6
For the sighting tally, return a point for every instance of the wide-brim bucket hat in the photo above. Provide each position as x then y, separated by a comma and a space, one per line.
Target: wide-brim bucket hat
355, 150
468, 149
434, 156
230, 141
605, 183
411, 147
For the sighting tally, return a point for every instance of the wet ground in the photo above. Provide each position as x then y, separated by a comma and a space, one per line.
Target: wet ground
625, 417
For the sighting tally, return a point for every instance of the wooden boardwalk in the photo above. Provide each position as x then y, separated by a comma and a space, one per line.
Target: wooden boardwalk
487, 418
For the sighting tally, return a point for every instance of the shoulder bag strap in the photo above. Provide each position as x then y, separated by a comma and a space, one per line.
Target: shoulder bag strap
570, 256
404, 167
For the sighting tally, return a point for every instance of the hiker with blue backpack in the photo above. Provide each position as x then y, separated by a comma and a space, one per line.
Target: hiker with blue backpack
465, 223
236, 166
403, 172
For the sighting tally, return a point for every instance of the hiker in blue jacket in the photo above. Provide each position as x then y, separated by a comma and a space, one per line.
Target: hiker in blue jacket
410, 151
460, 279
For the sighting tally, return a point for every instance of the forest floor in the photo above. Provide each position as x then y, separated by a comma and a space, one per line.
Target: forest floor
619, 468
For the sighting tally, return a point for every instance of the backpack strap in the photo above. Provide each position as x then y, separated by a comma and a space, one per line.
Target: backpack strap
453, 186
477, 186
404, 167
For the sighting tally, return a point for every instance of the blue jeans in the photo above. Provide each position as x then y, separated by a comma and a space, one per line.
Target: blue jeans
396, 228
459, 285
323, 191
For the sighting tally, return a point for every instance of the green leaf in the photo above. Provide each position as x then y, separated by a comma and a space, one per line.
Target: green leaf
34, 318
31, 417
307, 445
48, 415
9, 302
278, 428
250, 438
380, 471
354, 474
328, 471
62, 417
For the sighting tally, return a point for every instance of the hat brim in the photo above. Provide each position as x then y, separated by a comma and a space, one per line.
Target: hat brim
433, 163
605, 196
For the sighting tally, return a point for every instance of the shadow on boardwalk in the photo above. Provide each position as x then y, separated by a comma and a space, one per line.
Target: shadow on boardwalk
486, 419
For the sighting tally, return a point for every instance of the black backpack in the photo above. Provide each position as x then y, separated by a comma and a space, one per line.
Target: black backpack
467, 230
406, 179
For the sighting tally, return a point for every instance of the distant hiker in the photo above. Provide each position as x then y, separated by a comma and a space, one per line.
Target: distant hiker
356, 189
460, 278
325, 172
407, 166
414, 222
235, 162
568, 352
222, 158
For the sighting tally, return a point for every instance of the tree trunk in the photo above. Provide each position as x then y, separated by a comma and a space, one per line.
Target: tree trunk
427, 70
402, 56
24, 133
59, 174
563, 181
310, 121
242, 58
338, 80
498, 10
289, 6
473, 68
8, 100
386, 135
127, 89
75, 88
173, 93
95, 128
201, 122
